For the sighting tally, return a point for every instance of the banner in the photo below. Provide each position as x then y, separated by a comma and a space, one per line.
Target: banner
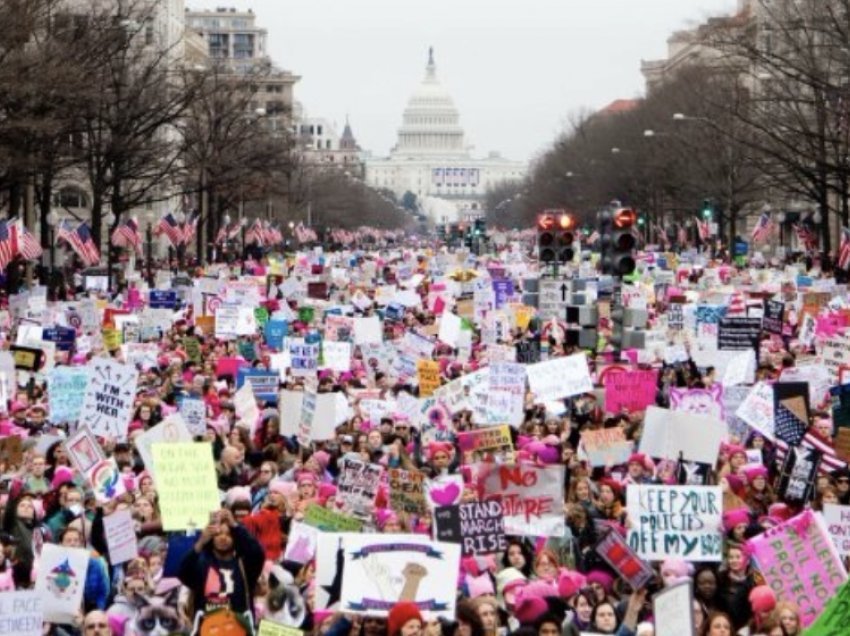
186, 484
675, 521
559, 378
407, 493
531, 497
382, 570
109, 398
357, 487
632, 390
800, 563
60, 580
606, 447
478, 527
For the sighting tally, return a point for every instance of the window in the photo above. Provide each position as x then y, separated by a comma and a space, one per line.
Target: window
219, 45
70, 197
318, 130
243, 45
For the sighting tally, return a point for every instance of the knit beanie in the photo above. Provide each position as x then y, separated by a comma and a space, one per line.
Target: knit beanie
400, 614
762, 599
735, 517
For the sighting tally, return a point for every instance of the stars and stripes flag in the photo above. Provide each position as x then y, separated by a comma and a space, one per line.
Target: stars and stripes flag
255, 233
593, 237
81, 241
28, 247
8, 243
682, 235
806, 238
190, 226
661, 233
169, 226
844, 249
127, 235
223, 233
812, 439
763, 228
703, 229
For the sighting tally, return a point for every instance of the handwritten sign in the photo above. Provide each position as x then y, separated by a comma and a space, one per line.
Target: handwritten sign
631, 390
428, 372
194, 412
506, 394
328, 520
22, 614
835, 617
674, 434
531, 497
800, 563
407, 493
673, 611
60, 581
108, 401
358, 487
491, 443
675, 521
269, 628
838, 525
606, 447
186, 483
478, 527
559, 378
120, 536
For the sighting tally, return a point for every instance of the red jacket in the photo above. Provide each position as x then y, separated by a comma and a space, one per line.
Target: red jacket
264, 526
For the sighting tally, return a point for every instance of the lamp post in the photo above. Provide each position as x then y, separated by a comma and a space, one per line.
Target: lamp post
109, 219
150, 217
52, 222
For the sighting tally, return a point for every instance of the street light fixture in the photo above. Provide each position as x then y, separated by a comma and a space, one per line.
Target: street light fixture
615, 151
649, 133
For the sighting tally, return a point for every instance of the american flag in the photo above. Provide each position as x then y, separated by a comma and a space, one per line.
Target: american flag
127, 235
703, 229
190, 226
593, 237
27, 245
844, 249
806, 238
255, 233
8, 243
682, 235
763, 228
223, 233
812, 439
661, 233
169, 226
81, 241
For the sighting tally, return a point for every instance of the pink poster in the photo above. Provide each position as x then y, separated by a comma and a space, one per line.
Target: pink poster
631, 390
800, 563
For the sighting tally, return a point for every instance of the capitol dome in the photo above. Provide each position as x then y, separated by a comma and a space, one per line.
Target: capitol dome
431, 122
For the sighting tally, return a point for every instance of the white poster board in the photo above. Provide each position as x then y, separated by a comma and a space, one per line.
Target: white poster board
109, 399
674, 434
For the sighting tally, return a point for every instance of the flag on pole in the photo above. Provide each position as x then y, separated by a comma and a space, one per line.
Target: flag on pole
81, 241
255, 233
806, 238
763, 228
127, 235
8, 242
169, 226
190, 226
844, 249
26, 245
703, 229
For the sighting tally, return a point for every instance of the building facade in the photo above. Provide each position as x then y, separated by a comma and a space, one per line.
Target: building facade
322, 147
431, 158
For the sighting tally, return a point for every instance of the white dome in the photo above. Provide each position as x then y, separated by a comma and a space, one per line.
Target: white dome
431, 122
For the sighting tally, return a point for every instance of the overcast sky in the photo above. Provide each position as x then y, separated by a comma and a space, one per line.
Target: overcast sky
516, 68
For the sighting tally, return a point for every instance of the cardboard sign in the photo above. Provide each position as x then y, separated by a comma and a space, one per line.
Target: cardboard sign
83, 450
478, 527
428, 373
60, 581
559, 378
186, 484
699, 401
673, 611
120, 536
676, 521
109, 398
614, 550
531, 497
835, 617
631, 391
22, 613
800, 563
797, 475
328, 520
407, 493
774, 311
493, 443
606, 447
837, 520
11, 452
194, 412
382, 570
264, 384
171, 429
506, 394
675, 434
738, 333
357, 487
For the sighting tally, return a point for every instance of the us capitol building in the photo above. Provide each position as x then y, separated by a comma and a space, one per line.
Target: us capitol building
432, 161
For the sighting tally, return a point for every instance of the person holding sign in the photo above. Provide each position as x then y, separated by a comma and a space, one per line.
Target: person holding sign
223, 568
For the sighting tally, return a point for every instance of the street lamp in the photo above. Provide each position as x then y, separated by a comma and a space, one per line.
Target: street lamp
52, 221
615, 150
150, 217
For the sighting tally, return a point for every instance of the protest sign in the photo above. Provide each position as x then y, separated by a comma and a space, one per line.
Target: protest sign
301, 543
186, 484
699, 401
757, 410
106, 480
336, 355
328, 520
835, 353
11, 452
274, 332
835, 617
357, 487
837, 520
269, 628
120, 536
614, 550
506, 394
407, 493
305, 422
60, 581
796, 485
528, 351
428, 373
478, 527
194, 412
21, 613
264, 384
673, 611
83, 449
171, 429
368, 330
606, 447
304, 357
109, 398
192, 347
450, 327
559, 378
531, 497
493, 443
774, 310
738, 333
800, 563
632, 390
383, 570
676, 434
675, 521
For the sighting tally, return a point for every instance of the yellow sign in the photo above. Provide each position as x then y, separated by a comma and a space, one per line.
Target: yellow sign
524, 314
186, 484
112, 339
268, 628
429, 377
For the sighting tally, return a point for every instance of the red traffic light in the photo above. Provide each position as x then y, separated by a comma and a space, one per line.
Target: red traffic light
566, 222
546, 222
625, 218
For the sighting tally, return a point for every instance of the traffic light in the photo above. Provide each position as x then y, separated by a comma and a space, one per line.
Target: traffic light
441, 233
707, 210
604, 222
566, 238
480, 227
623, 242
467, 237
546, 229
